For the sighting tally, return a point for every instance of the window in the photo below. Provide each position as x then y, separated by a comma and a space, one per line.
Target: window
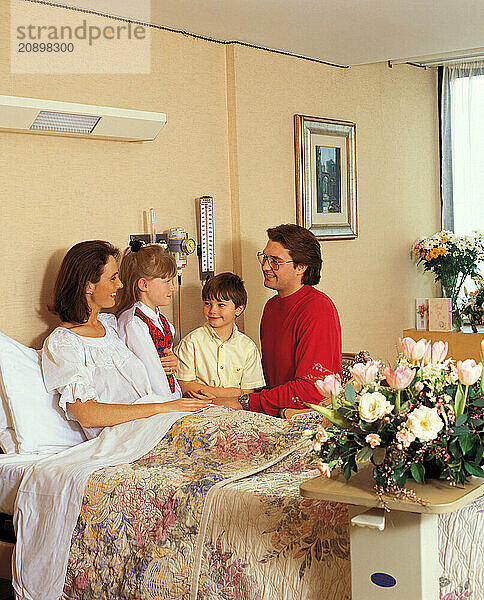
463, 147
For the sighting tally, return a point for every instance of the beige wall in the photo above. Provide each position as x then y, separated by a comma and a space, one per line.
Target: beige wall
371, 279
229, 134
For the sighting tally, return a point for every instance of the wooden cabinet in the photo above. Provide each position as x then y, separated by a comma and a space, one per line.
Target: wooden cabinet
462, 345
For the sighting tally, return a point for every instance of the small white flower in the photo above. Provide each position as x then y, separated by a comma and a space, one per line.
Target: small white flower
405, 437
373, 439
316, 446
324, 469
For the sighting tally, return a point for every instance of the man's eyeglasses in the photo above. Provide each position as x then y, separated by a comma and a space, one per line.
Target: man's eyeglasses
274, 263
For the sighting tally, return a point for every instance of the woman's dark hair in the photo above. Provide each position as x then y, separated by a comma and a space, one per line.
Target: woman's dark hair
84, 262
303, 248
225, 286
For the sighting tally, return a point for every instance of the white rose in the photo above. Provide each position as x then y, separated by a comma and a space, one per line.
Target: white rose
373, 406
424, 423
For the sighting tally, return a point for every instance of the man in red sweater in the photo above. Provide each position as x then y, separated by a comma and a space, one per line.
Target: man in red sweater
300, 328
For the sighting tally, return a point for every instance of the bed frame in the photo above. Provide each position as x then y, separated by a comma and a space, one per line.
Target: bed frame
7, 544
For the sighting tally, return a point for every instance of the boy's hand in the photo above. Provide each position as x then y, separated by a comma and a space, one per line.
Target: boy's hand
200, 394
169, 362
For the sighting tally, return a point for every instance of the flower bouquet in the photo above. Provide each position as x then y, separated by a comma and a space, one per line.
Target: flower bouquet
423, 419
452, 258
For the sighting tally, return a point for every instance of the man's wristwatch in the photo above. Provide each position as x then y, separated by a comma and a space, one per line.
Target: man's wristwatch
244, 401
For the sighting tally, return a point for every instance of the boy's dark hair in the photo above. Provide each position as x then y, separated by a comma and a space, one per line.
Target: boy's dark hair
303, 247
84, 262
225, 286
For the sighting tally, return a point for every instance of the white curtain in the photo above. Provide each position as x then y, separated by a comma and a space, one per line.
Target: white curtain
463, 147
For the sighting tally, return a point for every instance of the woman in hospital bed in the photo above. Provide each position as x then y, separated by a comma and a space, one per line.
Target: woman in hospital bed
100, 381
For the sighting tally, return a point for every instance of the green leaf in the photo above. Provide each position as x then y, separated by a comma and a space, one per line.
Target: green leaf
364, 454
401, 479
379, 454
466, 442
418, 472
479, 402
454, 449
368, 427
459, 401
350, 393
461, 419
332, 415
473, 470
460, 430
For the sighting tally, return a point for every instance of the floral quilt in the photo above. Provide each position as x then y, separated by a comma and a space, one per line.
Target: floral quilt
213, 512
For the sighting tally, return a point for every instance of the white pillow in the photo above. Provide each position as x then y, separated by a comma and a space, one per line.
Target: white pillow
40, 425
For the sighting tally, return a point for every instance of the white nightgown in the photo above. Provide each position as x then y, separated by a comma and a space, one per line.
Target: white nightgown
99, 369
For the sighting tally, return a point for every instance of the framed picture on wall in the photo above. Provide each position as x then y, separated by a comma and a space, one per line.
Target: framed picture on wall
326, 177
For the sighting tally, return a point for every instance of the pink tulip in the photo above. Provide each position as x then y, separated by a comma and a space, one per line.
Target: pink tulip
427, 357
364, 373
413, 350
329, 386
468, 371
400, 378
439, 351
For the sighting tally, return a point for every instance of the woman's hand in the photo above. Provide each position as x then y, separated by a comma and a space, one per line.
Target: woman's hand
185, 405
169, 362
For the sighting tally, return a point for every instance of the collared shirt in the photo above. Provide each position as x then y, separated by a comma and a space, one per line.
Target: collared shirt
204, 357
136, 335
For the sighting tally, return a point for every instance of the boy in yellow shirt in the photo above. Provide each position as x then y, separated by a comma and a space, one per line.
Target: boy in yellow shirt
217, 359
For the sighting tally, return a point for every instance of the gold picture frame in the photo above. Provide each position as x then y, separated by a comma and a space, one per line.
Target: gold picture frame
326, 177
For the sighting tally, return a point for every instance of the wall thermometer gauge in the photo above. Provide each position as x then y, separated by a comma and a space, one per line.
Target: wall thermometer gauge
207, 250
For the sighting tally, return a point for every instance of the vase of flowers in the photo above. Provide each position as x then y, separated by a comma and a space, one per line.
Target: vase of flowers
421, 419
451, 258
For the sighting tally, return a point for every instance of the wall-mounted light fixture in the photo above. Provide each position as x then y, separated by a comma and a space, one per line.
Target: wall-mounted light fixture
30, 115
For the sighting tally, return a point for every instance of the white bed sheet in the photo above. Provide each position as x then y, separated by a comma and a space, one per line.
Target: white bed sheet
12, 469
49, 498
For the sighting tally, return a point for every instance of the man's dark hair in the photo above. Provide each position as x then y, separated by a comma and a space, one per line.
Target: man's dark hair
84, 262
303, 248
225, 286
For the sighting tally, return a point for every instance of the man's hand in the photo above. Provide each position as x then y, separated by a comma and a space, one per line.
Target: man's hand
228, 402
169, 362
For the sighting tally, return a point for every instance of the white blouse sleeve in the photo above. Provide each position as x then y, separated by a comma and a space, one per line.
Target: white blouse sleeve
136, 336
64, 369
